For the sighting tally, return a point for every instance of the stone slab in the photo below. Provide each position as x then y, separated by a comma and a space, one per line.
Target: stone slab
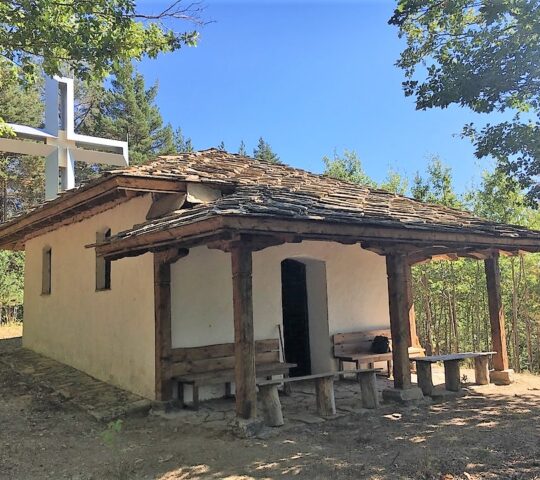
398, 395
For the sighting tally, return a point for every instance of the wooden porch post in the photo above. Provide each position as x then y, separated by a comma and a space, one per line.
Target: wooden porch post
244, 343
162, 320
398, 280
496, 314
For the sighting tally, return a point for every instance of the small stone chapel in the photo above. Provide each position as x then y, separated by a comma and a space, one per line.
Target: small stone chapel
208, 260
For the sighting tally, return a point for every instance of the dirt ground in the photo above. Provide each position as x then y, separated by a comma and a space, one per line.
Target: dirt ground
492, 432
10, 330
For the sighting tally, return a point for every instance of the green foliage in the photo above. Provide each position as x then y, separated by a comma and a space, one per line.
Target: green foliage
11, 278
483, 55
181, 143
437, 187
501, 200
264, 152
395, 183
347, 167
88, 38
111, 434
242, 149
221, 146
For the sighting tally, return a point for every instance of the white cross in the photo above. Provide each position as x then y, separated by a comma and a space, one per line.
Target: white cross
58, 141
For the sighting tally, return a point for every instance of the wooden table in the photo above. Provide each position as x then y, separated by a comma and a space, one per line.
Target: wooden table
452, 377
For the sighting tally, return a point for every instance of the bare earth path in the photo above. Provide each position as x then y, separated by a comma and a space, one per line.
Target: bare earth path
492, 432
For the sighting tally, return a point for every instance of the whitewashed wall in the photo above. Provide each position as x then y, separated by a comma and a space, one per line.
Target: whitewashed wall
108, 334
356, 293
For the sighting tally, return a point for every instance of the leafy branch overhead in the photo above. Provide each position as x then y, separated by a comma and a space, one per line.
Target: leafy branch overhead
89, 38
483, 55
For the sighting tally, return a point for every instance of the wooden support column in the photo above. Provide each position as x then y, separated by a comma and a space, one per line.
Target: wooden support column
496, 312
398, 278
162, 320
244, 343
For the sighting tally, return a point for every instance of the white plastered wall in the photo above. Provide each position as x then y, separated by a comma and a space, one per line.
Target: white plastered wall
356, 293
107, 334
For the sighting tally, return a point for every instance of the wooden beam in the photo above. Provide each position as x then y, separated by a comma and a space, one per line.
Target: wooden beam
384, 236
244, 343
254, 242
162, 321
82, 201
496, 312
396, 268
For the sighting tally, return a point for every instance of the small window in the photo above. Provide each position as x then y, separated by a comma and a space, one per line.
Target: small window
46, 271
103, 267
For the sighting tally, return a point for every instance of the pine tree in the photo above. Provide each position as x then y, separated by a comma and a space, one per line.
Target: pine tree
264, 152
221, 146
127, 110
181, 143
242, 149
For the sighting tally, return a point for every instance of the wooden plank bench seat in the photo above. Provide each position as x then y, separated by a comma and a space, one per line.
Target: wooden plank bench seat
214, 364
324, 393
355, 347
452, 379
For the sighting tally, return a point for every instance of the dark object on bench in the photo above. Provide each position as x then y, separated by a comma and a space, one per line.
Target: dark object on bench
381, 344
214, 364
452, 378
324, 390
355, 347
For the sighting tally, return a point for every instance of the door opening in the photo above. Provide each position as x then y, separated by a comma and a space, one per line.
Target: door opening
295, 316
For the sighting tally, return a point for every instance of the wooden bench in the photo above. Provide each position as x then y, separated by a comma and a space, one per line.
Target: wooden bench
324, 393
214, 364
355, 347
452, 379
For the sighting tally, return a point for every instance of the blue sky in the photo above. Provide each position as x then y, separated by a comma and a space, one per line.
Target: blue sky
310, 77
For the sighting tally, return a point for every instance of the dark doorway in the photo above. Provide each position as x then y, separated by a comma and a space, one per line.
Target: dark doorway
295, 316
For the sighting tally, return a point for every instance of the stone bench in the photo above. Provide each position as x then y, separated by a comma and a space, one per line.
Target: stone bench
452, 377
324, 393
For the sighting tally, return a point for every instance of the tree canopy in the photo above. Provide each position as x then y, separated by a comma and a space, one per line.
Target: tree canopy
483, 55
347, 167
88, 38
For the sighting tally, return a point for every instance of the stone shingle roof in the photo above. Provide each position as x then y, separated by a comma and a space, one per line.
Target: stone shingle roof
256, 188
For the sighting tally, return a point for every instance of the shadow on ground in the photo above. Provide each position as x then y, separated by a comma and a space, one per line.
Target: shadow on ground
490, 433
